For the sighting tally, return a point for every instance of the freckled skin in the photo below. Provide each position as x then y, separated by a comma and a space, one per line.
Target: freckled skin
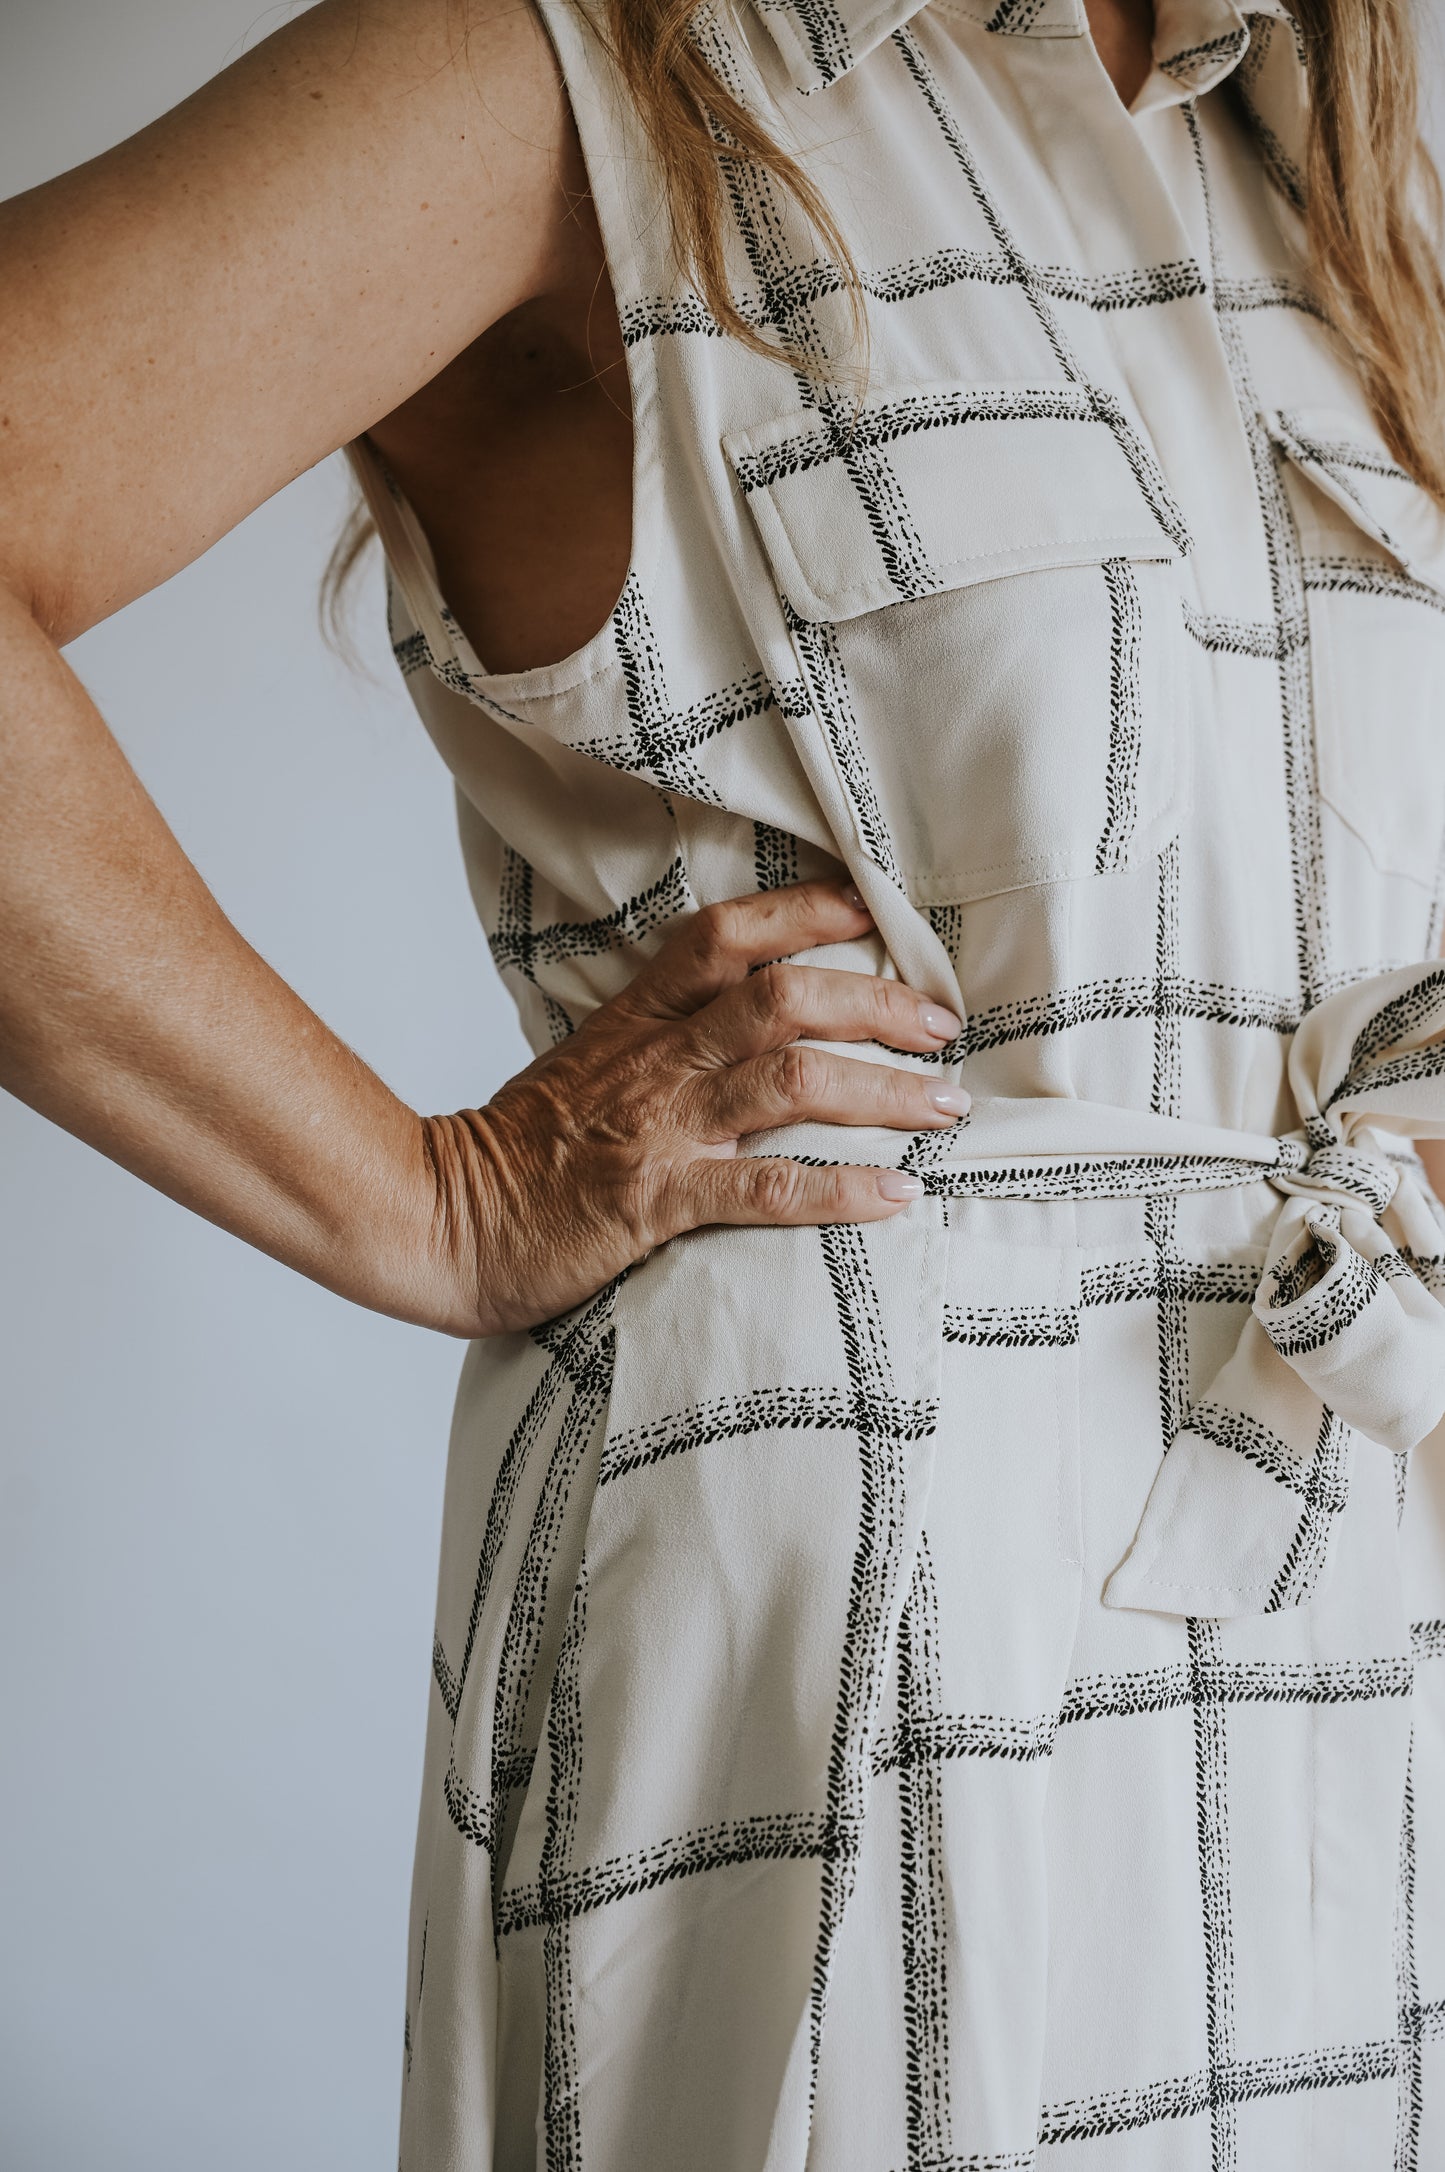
190, 321
369, 223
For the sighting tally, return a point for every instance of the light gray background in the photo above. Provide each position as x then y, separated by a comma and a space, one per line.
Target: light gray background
220, 1487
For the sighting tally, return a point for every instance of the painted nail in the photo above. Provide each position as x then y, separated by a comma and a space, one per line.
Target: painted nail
936, 1020
951, 1099
854, 896
893, 1184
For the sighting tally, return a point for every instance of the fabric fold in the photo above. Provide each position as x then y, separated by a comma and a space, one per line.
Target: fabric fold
1346, 1333
1345, 1337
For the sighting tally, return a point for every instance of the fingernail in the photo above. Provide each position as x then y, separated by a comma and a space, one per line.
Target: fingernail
854, 897
936, 1020
951, 1099
893, 1184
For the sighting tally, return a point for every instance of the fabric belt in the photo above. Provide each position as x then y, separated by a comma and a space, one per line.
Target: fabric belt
1346, 1330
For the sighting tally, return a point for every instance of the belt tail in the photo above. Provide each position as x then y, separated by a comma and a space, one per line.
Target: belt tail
1344, 1341
1243, 1509
1346, 1335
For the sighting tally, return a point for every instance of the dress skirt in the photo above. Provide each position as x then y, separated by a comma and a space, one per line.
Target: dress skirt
793, 1798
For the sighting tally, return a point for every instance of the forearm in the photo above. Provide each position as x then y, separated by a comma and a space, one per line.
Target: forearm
134, 1014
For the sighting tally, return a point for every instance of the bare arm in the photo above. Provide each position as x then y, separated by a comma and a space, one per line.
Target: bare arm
191, 321
207, 310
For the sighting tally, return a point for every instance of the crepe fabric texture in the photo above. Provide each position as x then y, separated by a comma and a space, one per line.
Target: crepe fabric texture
967, 1694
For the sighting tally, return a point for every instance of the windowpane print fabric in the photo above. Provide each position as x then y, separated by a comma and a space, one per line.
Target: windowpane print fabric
970, 1692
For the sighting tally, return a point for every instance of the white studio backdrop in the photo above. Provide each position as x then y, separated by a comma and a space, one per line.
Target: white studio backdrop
219, 1486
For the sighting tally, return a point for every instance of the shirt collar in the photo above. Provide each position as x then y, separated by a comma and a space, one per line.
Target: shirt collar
1196, 42
820, 40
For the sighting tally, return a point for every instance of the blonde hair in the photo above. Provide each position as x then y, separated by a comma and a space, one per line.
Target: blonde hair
1371, 206
1373, 216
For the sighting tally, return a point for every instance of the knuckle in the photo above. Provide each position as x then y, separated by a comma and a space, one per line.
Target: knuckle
834, 1192
891, 1004
799, 1074
642, 1203
778, 992
847, 1195
777, 1189
717, 931
855, 1196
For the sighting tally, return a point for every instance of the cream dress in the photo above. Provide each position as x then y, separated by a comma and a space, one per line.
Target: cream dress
968, 1694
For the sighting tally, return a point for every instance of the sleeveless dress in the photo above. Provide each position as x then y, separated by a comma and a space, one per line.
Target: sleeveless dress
967, 1694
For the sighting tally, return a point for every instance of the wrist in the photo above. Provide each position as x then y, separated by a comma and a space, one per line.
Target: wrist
459, 1181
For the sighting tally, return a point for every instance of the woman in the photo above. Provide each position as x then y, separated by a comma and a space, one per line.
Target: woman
917, 527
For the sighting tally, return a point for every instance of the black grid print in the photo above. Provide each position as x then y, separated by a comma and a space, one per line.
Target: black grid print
1178, 977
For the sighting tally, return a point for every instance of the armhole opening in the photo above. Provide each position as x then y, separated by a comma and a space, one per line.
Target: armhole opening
586, 78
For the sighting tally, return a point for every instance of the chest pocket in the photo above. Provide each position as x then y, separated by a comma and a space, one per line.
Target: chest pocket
1373, 543
981, 588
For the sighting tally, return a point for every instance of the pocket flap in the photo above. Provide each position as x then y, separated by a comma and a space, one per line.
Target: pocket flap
857, 508
1363, 478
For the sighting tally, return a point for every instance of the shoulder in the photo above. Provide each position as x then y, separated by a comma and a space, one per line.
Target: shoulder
251, 281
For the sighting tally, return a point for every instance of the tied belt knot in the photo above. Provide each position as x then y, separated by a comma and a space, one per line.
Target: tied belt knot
1346, 1332
1326, 1269
1344, 1340
1343, 1176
